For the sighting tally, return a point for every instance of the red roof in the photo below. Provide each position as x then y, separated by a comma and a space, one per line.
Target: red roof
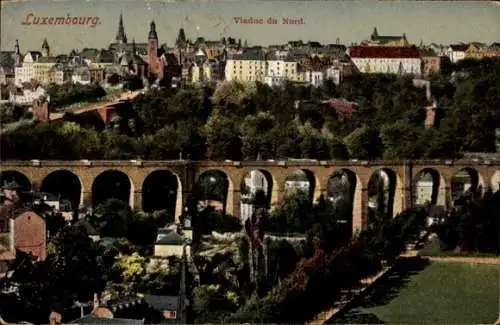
345, 109
384, 52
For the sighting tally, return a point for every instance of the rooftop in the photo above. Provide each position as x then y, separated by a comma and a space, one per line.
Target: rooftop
384, 52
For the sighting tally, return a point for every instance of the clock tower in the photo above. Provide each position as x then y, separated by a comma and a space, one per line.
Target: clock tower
153, 49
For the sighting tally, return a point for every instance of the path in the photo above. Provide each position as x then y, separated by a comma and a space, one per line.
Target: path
465, 259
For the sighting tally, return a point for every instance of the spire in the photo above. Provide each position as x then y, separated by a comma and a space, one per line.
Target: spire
375, 33
181, 38
134, 52
152, 31
120, 36
16, 47
45, 48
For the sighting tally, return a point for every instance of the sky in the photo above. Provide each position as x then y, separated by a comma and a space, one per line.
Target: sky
325, 21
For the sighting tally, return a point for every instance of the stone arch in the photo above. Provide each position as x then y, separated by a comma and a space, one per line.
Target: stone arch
388, 181
428, 184
122, 188
305, 180
8, 176
259, 179
495, 181
218, 187
64, 184
162, 190
466, 180
345, 184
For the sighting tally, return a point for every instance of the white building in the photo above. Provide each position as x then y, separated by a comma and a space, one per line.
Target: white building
80, 75
385, 59
247, 66
26, 71
333, 73
26, 94
314, 77
254, 182
456, 52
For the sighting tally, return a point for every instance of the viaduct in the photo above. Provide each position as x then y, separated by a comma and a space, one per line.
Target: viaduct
403, 175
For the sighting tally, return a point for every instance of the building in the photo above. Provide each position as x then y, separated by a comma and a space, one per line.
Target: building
170, 243
249, 65
493, 50
25, 72
431, 62
456, 52
60, 74
29, 234
254, 182
476, 51
379, 40
344, 108
384, 59
26, 93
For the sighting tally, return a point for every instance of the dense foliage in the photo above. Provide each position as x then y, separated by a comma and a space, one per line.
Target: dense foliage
246, 121
67, 94
473, 225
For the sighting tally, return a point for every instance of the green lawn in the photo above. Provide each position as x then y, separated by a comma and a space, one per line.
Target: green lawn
435, 293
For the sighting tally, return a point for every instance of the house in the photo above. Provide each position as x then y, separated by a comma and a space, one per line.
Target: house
30, 234
81, 75
26, 70
168, 306
476, 51
456, 52
249, 65
431, 62
344, 108
26, 93
281, 68
170, 243
60, 74
493, 50
386, 59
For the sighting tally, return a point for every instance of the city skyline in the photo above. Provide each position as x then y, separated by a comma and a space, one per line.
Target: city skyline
438, 22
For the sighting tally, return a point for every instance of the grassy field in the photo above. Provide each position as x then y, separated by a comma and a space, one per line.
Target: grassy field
419, 292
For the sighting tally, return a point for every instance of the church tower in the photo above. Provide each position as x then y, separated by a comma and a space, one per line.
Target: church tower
120, 35
180, 44
153, 49
45, 48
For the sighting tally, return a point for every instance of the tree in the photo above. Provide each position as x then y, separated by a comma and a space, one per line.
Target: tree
114, 79
133, 83
222, 137
364, 143
400, 140
211, 303
258, 136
